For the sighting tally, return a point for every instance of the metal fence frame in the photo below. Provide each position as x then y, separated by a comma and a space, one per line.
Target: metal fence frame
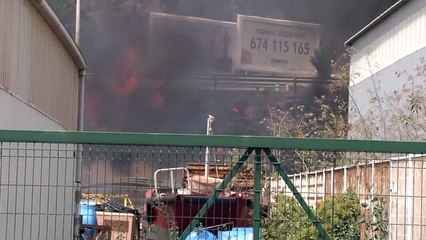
323, 144
252, 143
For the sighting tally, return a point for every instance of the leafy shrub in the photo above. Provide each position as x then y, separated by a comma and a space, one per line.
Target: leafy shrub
345, 214
286, 221
374, 219
289, 221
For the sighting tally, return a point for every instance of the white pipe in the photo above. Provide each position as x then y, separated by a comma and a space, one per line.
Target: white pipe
79, 150
81, 90
58, 28
172, 182
77, 21
80, 114
210, 120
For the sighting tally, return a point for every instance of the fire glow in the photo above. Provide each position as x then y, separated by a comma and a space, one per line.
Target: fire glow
158, 100
128, 80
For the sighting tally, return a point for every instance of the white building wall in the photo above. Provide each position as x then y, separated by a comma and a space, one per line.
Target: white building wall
35, 63
401, 34
36, 191
393, 46
38, 91
17, 114
36, 180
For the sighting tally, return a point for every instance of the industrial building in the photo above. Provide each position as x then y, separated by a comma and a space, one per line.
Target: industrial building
386, 56
40, 67
41, 71
392, 43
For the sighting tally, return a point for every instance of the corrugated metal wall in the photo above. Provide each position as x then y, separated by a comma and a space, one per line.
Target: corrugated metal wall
35, 65
400, 35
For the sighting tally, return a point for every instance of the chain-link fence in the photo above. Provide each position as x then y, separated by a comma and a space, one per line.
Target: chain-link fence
152, 186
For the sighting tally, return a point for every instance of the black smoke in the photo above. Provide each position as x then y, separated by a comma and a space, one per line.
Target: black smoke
113, 32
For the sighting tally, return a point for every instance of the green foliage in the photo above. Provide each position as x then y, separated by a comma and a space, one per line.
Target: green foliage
289, 221
343, 211
325, 118
375, 219
324, 59
397, 115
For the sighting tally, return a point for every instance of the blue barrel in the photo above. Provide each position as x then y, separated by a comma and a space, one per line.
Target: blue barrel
200, 235
88, 212
238, 233
227, 235
244, 233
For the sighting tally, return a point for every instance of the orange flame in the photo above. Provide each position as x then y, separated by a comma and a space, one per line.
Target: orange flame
129, 79
157, 98
92, 111
235, 109
92, 108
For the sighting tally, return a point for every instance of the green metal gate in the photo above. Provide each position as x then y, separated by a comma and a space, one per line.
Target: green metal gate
269, 188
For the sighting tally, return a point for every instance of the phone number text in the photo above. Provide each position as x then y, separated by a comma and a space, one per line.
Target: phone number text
265, 44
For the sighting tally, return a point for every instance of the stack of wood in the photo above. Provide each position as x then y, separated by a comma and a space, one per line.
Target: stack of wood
243, 181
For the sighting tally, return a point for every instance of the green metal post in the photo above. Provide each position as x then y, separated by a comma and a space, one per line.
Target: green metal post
257, 193
296, 194
216, 193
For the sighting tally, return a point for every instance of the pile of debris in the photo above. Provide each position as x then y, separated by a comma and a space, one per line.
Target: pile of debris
243, 181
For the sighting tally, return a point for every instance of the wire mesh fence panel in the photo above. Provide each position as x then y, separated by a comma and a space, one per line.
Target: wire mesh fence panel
354, 195
36, 190
163, 189
142, 186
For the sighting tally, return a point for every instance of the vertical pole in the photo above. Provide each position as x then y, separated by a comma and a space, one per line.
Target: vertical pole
316, 189
373, 173
323, 185
345, 176
77, 194
409, 199
79, 155
77, 21
358, 179
332, 198
390, 201
301, 183
308, 183
210, 120
257, 193
297, 195
172, 181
